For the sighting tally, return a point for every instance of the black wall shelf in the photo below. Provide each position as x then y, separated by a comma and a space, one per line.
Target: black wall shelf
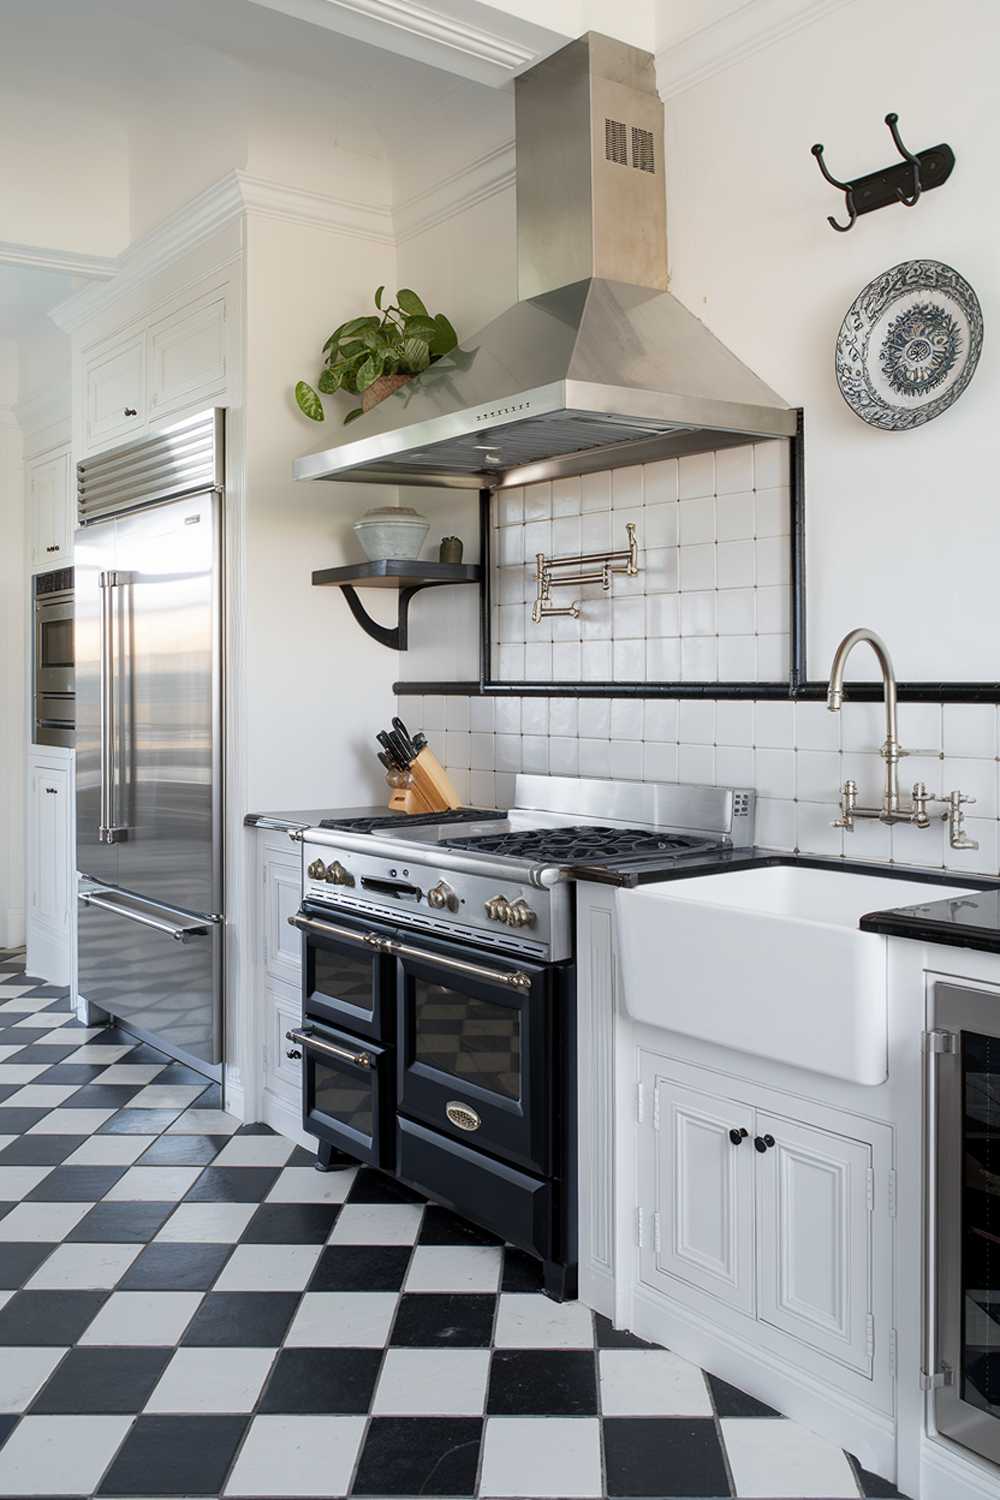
406, 575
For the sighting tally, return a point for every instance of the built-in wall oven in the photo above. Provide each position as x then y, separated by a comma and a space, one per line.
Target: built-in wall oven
54, 659
962, 1332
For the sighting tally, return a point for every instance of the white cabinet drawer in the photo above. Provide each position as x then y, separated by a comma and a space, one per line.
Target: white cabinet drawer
187, 355
114, 398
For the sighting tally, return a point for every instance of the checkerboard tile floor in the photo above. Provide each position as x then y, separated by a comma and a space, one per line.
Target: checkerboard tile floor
187, 1308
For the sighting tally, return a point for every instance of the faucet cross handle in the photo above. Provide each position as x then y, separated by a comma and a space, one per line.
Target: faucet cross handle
848, 802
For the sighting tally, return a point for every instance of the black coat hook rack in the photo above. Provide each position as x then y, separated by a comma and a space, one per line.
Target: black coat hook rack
903, 182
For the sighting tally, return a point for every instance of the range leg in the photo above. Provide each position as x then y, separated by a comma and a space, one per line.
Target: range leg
559, 1281
329, 1159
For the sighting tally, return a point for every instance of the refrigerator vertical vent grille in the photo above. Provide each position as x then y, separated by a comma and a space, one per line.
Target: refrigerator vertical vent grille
183, 460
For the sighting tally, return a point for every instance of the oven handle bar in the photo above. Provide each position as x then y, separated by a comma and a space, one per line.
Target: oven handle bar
516, 980
307, 1039
487, 865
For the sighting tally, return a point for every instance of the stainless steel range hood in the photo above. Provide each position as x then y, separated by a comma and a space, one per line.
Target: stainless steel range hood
597, 366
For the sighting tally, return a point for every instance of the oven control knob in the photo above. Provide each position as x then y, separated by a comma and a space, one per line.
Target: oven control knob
337, 875
497, 908
442, 897
317, 870
520, 914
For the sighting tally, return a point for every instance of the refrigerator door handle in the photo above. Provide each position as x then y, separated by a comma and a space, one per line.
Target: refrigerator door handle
182, 932
109, 831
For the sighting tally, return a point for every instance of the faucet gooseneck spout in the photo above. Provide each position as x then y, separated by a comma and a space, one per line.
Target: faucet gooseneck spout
835, 697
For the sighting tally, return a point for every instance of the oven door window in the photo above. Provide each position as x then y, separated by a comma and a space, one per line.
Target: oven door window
980, 1358
345, 1103
348, 984
56, 643
473, 1039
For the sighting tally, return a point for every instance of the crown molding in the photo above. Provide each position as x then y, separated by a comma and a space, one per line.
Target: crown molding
481, 179
754, 26
273, 200
43, 259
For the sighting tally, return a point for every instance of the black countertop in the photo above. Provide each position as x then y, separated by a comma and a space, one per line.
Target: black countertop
964, 922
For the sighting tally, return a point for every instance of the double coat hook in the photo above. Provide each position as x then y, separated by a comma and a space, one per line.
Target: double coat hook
903, 182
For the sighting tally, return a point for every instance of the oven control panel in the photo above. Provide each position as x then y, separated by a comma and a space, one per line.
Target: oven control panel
505, 914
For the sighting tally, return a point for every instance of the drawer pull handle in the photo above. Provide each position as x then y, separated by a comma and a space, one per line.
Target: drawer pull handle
515, 979
763, 1142
293, 1053
360, 1059
52, 791
462, 1115
130, 411
52, 549
738, 1136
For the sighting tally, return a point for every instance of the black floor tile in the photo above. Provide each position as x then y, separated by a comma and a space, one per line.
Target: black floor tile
361, 1268
419, 1456
873, 1486
7, 1425
18, 1121
75, 1185
291, 1224
444, 1320
211, 1098
51, 991
372, 1186
42, 1052
144, 1053
175, 1456
39, 1150
300, 1157
118, 1222
48, 1317
139, 1121
441, 1227
521, 1272
322, 1380
609, 1337
542, 1382
7, 1090
256, 1128
175, 1268
65, 1072
102, 1380
233, 1185
663, 1456
182, 1151
20, 1259
731, 1402
103, 1096
176, 1073
249, 1320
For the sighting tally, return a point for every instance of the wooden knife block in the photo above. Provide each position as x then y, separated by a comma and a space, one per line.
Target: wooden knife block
425, 787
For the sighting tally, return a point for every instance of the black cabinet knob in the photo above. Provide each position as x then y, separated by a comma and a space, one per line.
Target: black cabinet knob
293, 1053
130, 411
763, 1142
738, 1136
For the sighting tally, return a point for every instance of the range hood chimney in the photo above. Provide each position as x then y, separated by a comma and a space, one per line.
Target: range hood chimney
597, 366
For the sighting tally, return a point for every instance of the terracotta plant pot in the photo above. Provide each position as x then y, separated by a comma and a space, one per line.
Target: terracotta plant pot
380, 388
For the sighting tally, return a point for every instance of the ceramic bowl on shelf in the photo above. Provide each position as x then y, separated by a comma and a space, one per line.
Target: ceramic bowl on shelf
392, 531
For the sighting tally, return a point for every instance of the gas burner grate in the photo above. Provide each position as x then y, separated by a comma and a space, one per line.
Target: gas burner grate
411, 820
590, 842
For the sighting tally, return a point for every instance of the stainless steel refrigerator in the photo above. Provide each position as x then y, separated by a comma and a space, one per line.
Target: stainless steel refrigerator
149, 737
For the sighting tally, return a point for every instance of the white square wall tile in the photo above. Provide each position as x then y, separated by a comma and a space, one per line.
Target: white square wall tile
774, 725
660, 481
626, 718
432, 1382
696, 764
564, 716
696, 475
734, 469
735, 517
566, 496
541, 1456
297, 1455
775, 823
970, 729
774, 772
651, 1383
696, 521
818, 775
564, 756
538, 662
816, 728
814, 830
770, 463
780, 1459
699, 659
696, 722
595, 760
733, 722
697, 565
626, 760
660, 720
663, 659
658, 526
733, 766
659, 762
736, 564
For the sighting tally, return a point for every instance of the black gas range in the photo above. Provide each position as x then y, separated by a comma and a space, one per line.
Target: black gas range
439, 996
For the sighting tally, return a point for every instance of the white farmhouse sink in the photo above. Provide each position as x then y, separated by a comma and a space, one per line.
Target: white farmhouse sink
768, 961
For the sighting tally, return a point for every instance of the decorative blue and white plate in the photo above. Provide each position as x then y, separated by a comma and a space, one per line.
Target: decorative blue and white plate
909, 345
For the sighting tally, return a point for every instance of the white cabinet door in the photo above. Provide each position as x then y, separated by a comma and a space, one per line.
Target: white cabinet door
50, 511
282, 1058
49, 848
114, 396
696, 1181
188, 355
814, 1237
282, 872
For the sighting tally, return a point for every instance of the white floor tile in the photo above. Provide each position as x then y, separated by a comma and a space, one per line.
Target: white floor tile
779, 1459
98, 1052
23, 1003
528, 1321
42, 1221
48, 1019
70, 1122
20, 1072
268, 1268
204, 1122
77, 1036
432, 1382
206, 1223
541, 1456
167, 1095
211, 1380
306, 1185
7, 1140
17, 1182
59, 1455
109, 1151
651, 1383
255, 1151
38, 1095
310, 1455
333, 1320
142, 1318
153, 1184
377, 1224
130, 1073
8, 1051
80, 1266
23, 1372
454, 1268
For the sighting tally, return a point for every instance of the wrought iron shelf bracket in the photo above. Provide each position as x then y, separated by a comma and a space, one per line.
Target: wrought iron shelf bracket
903, 182
405, 577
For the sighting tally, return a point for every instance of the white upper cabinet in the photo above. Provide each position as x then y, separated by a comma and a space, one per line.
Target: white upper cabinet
114, 400
50, 504
187, 355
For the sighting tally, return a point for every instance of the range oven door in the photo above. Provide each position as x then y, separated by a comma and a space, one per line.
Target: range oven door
347, 1093
347, 975
475, 1048
962, 1356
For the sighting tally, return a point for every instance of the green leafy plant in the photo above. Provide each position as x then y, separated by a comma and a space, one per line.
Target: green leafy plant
401, 339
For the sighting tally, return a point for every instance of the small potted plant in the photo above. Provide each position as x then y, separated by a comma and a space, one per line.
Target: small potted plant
374, 355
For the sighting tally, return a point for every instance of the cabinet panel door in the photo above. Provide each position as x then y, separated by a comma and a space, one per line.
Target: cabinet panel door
698, 1186
282, 898
283, 1071
114, 391
187, 356
814, 1238
49, 512
49, 833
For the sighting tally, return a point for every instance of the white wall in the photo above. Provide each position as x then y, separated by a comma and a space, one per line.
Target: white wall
12, 657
